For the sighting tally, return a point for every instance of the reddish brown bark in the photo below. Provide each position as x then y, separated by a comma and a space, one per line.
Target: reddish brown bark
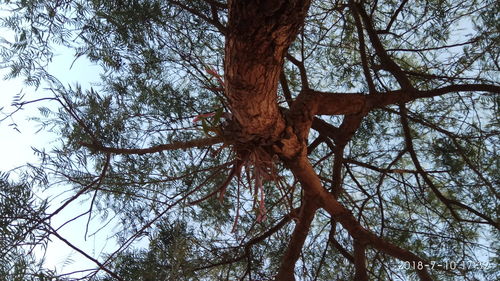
304, 172
360, 261
292, 254
259, 34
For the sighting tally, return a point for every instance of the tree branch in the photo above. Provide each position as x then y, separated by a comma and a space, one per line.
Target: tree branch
252, 242
327, 103
302, 70
299, 235
458, 88
285, 88
271, 230
324, 128
97, 182
336, 244
260, 35
214, 21
446, 201
395, 16
101, 266
360, 261
362, 50
385, 59
154, 149
459, 147
304, 172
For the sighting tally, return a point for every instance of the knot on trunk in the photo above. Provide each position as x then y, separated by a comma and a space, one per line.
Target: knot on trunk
289, 146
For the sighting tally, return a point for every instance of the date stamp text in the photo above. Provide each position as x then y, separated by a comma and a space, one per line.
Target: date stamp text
446, 265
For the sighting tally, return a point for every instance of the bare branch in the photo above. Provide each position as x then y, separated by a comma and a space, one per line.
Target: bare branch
327, 103
386, 60
94, 183
101, 266
360, 261
158, 148
286, 89
306, 216
302, 70
395, 15
362, 50
214, 21
458, 88
386, 170
311, 183
252, 242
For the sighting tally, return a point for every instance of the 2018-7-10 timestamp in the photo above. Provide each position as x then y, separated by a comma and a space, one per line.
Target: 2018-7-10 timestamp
446, 265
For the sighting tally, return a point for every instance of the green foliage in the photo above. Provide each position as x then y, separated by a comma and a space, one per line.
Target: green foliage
169, 256
21, 232
154, 55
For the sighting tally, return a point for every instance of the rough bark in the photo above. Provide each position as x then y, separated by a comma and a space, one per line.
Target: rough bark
259, 34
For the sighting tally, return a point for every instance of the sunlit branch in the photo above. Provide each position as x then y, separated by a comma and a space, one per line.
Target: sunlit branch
311, 183
326, 103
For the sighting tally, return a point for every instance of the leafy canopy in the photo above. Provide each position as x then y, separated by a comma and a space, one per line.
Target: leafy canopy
252, 140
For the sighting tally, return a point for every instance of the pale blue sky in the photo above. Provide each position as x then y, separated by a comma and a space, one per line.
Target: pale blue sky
15, 150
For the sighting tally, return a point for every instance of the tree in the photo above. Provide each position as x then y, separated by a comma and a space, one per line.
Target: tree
21, 232
258, 140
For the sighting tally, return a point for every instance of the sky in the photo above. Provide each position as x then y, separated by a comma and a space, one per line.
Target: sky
16, 150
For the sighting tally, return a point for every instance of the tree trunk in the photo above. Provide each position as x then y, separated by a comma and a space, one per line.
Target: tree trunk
259, 34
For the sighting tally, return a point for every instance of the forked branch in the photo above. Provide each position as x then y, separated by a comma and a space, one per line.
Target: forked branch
311, 183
